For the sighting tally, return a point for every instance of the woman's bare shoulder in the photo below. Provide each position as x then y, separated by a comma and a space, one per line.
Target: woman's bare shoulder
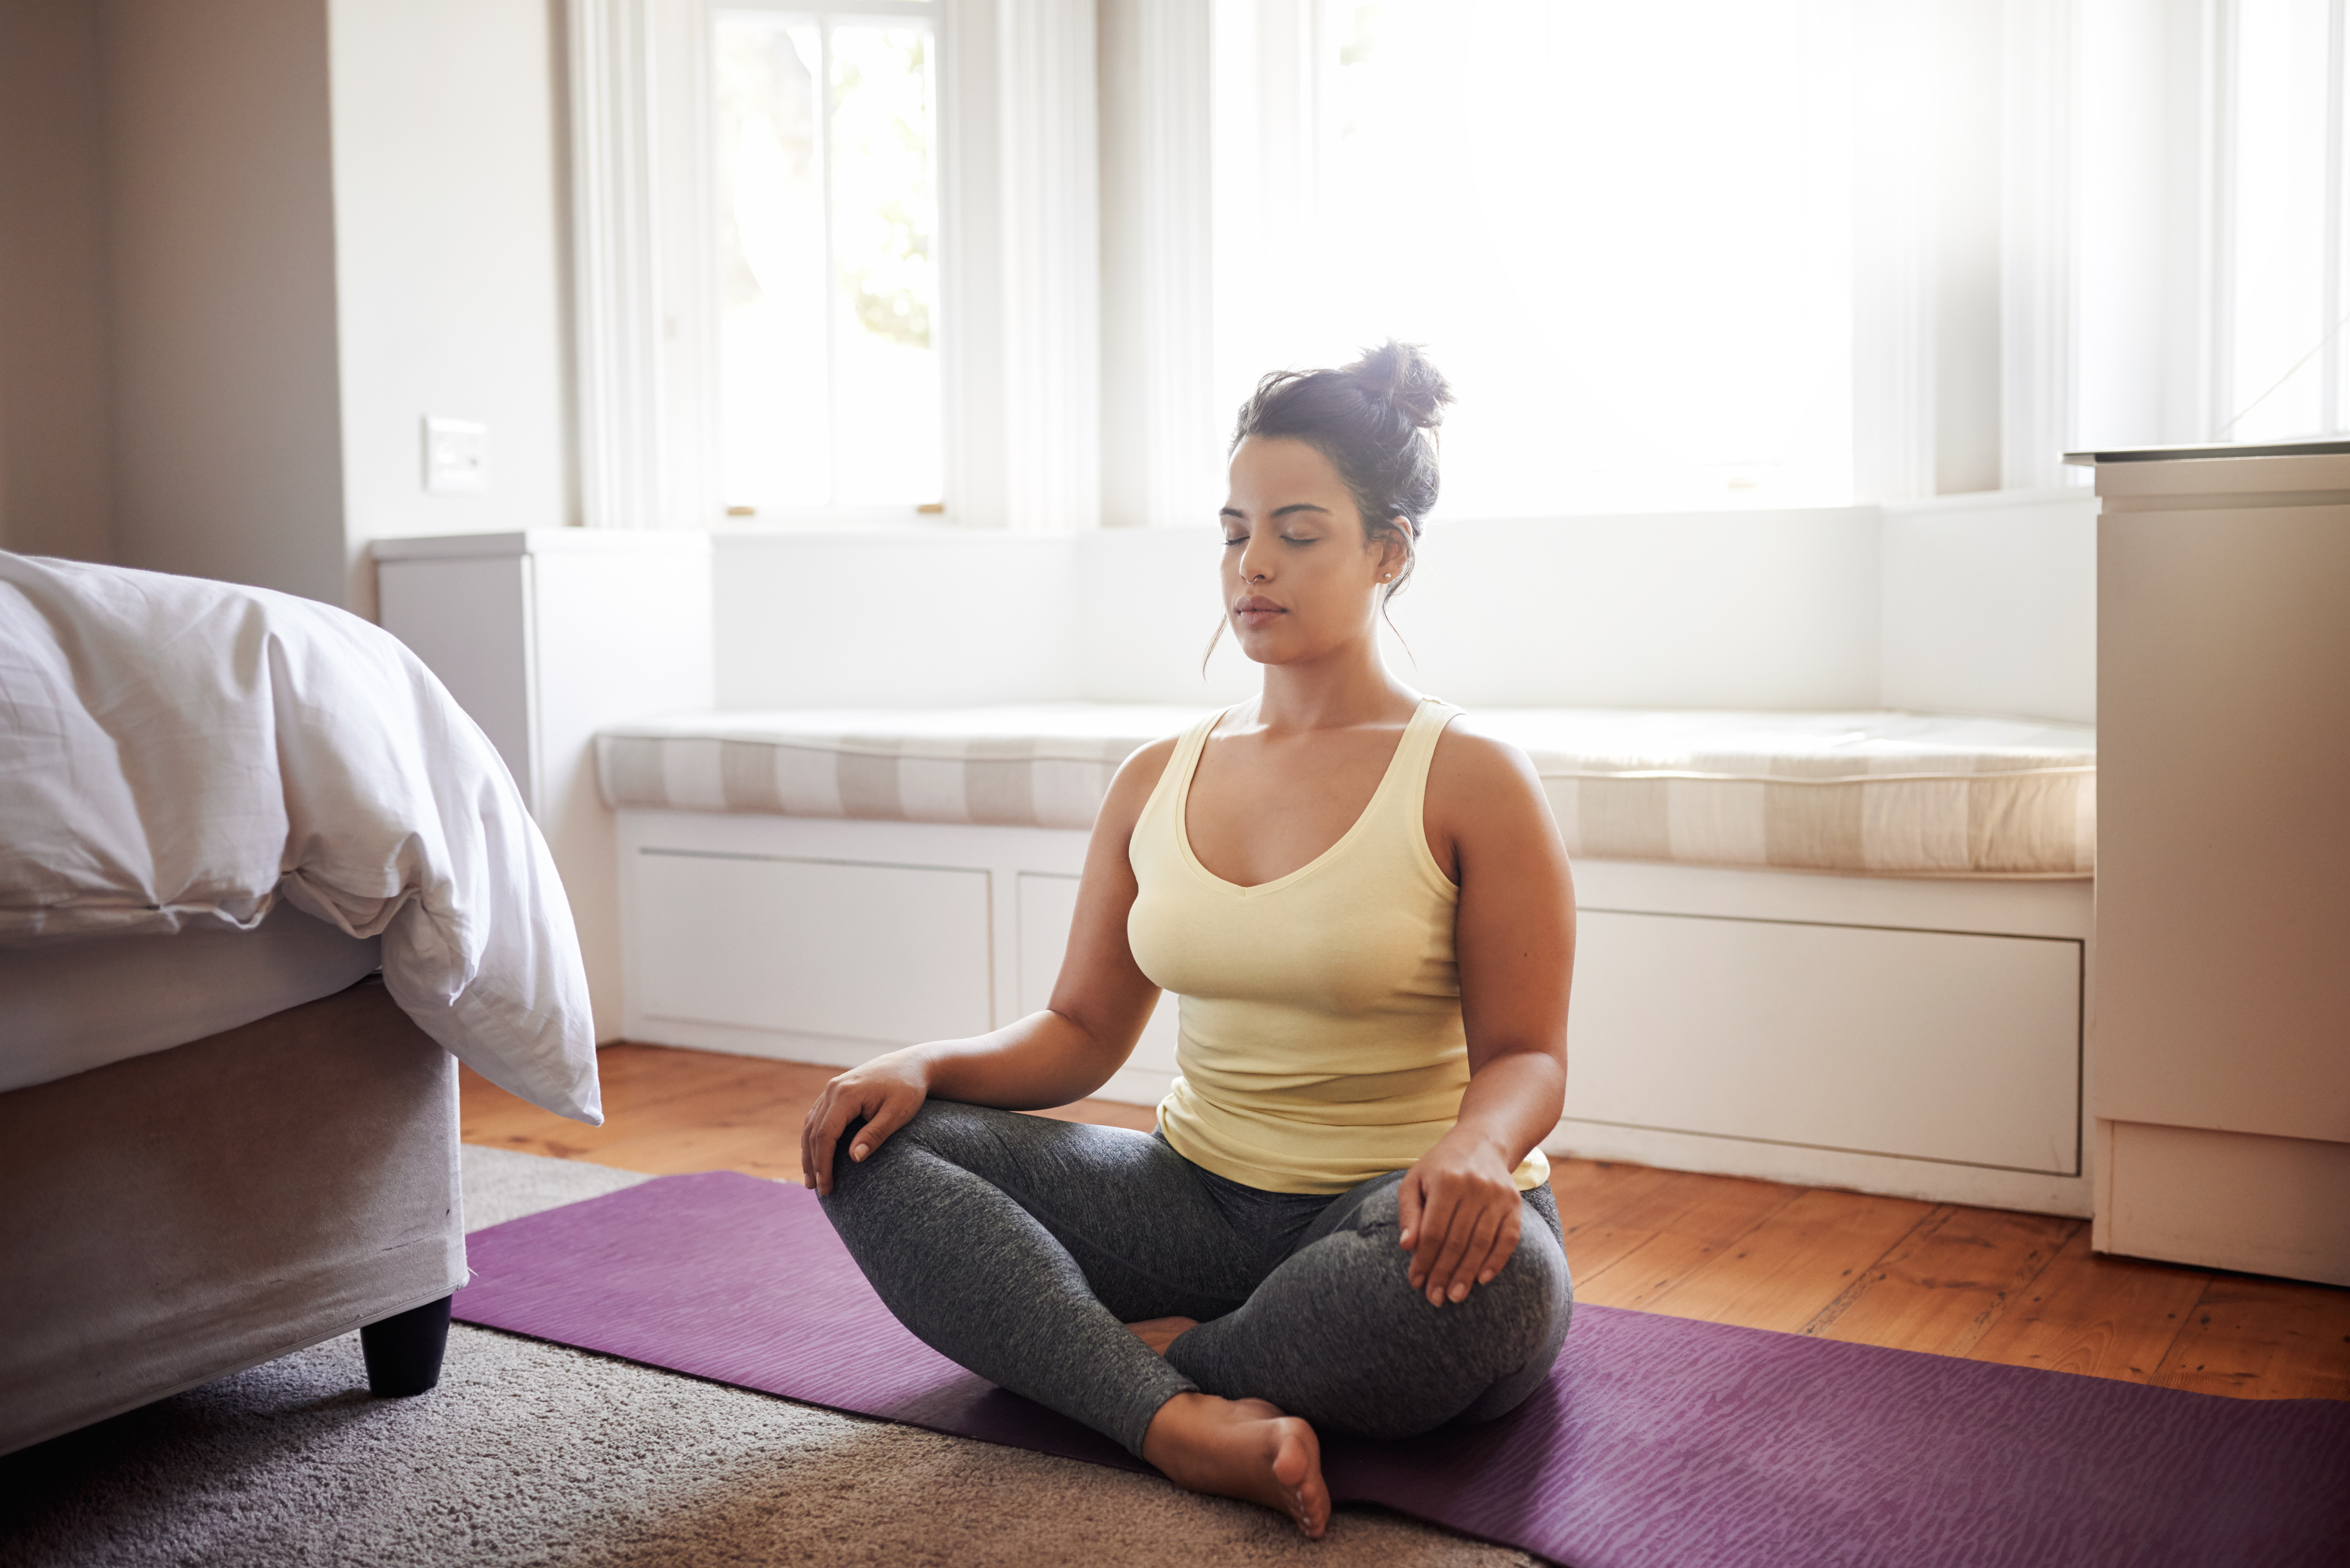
1476, 780
1135, 778
1467, 755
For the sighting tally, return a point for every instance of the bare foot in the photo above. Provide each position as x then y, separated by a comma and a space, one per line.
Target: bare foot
1159, 1333
1244, 1449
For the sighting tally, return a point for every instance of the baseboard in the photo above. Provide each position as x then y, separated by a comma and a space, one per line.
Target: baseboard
1932, 1181
776, 1045
2230, 1200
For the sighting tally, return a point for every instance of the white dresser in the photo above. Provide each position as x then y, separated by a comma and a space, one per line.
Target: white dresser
2220, 1026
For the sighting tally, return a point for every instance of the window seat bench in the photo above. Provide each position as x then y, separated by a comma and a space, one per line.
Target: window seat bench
1836, 949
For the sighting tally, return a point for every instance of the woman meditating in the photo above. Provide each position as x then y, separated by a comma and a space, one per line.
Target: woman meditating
1343, 1220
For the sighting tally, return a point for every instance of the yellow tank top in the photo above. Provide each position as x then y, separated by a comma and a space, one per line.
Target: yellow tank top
1320, 1042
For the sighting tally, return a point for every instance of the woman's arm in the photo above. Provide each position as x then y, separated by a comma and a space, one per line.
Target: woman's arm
1100, 1004
1516, 943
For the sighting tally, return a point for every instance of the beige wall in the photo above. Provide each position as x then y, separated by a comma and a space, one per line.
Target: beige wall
245, 247
55, 489
228, 452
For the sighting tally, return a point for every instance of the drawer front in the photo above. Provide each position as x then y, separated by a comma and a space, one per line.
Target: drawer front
889, 954
1928, 1045
1048, 902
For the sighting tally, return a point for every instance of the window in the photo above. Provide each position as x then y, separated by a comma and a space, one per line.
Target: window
1624, 231
825, 176
2280, 367
2213, 256
830, 268
1718, 252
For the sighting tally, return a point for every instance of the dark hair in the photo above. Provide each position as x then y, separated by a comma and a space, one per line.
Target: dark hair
1374, 419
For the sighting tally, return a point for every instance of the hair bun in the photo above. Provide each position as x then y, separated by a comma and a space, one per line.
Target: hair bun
1400, 376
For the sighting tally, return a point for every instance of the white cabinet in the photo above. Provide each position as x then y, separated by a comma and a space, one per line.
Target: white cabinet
2221, 1043
469, 619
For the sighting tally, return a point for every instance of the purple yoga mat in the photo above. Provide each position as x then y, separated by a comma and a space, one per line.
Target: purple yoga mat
1656, 1440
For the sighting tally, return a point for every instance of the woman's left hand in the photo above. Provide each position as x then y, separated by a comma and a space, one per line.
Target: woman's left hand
1459, 1209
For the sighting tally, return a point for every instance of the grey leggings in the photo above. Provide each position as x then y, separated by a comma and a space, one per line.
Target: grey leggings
1020, 1246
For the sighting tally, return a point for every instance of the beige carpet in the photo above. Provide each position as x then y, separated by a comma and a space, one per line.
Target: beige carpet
530, 1453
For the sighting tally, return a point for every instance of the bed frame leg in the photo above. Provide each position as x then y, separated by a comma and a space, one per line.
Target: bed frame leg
403, 1351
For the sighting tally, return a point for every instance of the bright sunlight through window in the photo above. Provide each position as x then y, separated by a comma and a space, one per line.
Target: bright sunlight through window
2283, 300
1624, 230
828, 295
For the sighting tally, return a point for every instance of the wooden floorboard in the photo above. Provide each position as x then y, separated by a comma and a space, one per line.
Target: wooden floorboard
2263, 1339
670, 1111
1942, 1286
1785, 1271
747, 1126
2098, 1315
1708, 1216
2021, 1288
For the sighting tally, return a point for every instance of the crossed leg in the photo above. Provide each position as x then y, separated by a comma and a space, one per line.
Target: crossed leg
1335, 1332
1021, 1247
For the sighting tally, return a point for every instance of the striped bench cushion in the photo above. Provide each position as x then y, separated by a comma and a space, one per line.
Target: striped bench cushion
1886, 793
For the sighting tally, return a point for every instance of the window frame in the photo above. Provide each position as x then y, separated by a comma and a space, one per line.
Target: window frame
1019, 273
730, 512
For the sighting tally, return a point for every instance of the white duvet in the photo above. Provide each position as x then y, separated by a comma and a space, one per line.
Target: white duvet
176, 751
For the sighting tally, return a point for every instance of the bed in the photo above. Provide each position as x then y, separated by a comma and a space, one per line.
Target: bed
262, 885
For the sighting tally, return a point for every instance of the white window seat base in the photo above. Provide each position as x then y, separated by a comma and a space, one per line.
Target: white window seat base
1915, 1037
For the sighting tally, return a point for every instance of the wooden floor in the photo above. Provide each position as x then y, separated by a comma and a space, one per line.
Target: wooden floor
2022, 1289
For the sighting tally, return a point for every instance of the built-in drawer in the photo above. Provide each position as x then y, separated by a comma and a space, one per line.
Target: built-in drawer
888, 954
1939, 1045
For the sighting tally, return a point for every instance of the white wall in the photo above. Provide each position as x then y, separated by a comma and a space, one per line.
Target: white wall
1975, 604
1149, 599
1991, 605
227, 460
1760, 609
55, 492
449, 271
822, 619
1752, 609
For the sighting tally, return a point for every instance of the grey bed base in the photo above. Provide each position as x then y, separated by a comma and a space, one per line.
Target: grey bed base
174, 1217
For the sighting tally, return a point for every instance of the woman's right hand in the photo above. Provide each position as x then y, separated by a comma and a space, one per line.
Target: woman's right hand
886, 1091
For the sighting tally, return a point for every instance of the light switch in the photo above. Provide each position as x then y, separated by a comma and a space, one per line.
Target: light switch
456, 456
